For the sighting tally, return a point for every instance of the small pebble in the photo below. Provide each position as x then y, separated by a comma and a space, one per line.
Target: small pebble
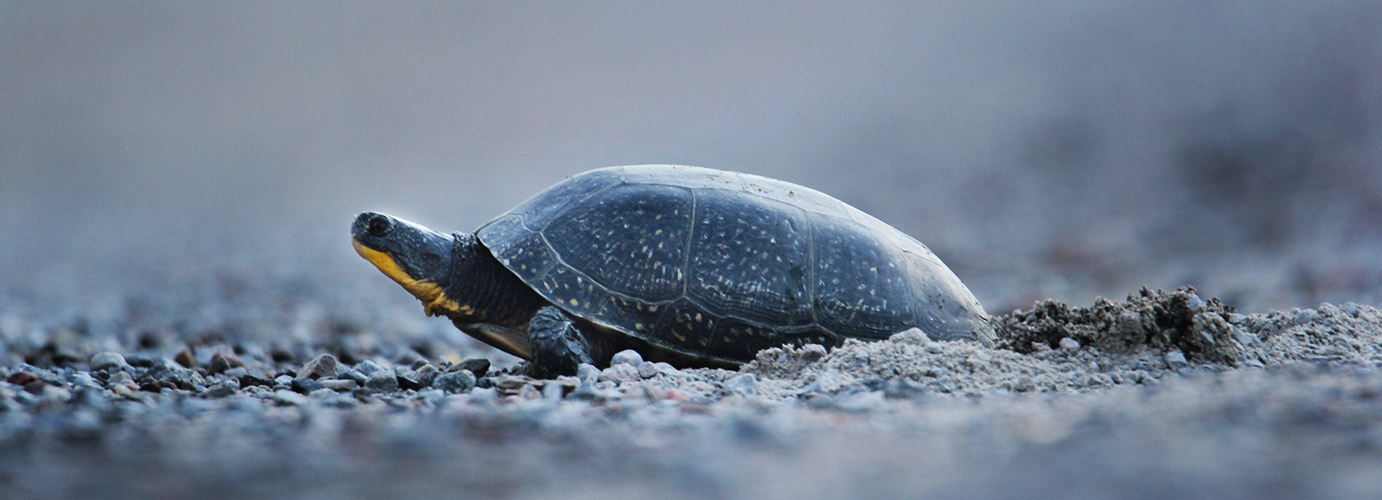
223, 362
478, 366
1176, 360
324, 366
383, 380
106, 360
587, 373
305, 385
626, 357
224, 389
367, 368
647, 369
1069, 344
185, 358
455, 382
288, 398
426, 374
251, 380
352, 375
339, 385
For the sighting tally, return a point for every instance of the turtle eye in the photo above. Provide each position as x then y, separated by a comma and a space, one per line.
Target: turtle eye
378, 226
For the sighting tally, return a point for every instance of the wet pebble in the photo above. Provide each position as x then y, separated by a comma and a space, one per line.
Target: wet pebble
626, 357
455, 382
1069, 344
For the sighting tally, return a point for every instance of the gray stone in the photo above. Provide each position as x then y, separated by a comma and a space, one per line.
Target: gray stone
1069, 344
224, 389
626, 357
339, 385
478, 366
455, 382
383, 380
1175, 360
587, 373
367, 368
106, 360
324, 366
288, 398
352, 375
647, 369
426, 374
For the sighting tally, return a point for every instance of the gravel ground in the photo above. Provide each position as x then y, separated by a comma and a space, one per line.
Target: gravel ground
1162, 394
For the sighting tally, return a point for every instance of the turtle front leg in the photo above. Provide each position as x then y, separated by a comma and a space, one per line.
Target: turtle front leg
557, 345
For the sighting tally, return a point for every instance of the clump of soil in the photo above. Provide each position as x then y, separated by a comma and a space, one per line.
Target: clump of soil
1166, 321
1055, 347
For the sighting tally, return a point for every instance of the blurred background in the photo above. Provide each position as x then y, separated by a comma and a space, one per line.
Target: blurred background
203, 159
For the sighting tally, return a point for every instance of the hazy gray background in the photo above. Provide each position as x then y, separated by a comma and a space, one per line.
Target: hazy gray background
1065, 149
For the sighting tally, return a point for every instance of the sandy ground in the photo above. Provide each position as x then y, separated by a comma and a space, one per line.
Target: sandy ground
1162, 394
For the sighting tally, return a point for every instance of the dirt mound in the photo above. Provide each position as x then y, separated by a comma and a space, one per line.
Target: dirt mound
1202, 330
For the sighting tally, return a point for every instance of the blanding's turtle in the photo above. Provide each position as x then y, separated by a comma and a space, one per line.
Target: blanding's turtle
688, 265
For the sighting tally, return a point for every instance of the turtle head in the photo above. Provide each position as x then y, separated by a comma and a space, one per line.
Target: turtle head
416, 257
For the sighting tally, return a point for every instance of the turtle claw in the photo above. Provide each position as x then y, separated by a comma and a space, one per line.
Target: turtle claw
558, 346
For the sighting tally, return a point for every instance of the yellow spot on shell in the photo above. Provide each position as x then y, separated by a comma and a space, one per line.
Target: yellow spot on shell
574, 302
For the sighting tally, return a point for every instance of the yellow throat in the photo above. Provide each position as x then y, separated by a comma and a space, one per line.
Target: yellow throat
434, 299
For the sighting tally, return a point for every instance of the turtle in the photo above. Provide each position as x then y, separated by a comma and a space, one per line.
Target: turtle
687, 265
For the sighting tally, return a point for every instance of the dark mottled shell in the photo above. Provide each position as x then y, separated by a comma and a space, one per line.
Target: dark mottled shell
721, 264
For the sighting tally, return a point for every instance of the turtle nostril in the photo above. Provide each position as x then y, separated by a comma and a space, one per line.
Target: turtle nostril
378, 225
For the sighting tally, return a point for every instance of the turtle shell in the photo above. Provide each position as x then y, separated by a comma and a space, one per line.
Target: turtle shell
720, 265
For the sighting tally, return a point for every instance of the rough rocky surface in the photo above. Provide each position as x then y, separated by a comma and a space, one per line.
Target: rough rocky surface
1162, 394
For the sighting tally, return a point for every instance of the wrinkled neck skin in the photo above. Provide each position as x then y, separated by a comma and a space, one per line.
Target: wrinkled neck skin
481, 290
